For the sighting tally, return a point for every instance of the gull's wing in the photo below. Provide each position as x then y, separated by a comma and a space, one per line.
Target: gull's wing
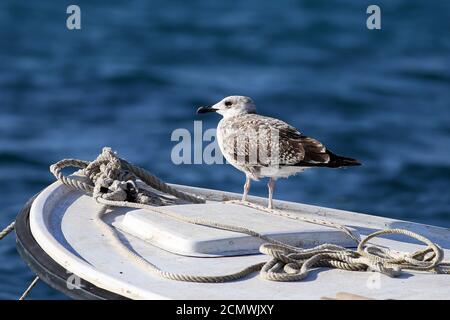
265, 141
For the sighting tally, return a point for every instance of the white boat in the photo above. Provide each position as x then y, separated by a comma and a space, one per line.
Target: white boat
63, 243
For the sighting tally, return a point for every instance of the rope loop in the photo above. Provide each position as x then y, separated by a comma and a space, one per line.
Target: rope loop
425, 260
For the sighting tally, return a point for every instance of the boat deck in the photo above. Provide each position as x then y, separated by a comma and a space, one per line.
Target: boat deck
62, 222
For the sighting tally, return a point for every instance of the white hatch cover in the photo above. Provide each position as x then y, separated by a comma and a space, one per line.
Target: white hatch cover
188, 239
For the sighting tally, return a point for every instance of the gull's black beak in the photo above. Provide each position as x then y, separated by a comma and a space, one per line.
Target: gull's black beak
206, 110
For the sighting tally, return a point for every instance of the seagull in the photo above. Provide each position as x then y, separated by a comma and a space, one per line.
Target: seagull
264, 147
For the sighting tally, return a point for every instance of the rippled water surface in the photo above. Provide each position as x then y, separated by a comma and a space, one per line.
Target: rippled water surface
135, 73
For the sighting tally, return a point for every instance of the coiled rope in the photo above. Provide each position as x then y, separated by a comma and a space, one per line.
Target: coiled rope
112, 182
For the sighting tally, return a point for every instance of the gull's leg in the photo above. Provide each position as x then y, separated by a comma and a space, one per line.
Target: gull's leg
271, 186
246, 188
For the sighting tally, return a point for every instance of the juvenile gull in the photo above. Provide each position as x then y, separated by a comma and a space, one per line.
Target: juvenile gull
266, 147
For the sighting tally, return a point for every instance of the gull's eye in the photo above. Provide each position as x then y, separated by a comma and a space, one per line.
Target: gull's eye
228, 103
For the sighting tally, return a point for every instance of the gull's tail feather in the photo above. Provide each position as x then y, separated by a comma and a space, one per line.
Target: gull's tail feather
332, 161
340, 161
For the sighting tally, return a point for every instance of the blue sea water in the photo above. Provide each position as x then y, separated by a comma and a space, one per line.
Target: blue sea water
136, 71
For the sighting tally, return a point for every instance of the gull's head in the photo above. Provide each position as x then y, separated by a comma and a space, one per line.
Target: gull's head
231, 106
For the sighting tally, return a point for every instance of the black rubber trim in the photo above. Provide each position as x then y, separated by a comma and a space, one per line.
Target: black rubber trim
47, 269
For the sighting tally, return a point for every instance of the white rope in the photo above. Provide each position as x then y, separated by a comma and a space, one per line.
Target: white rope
112, 182
7, 230
3, 234
30, 287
